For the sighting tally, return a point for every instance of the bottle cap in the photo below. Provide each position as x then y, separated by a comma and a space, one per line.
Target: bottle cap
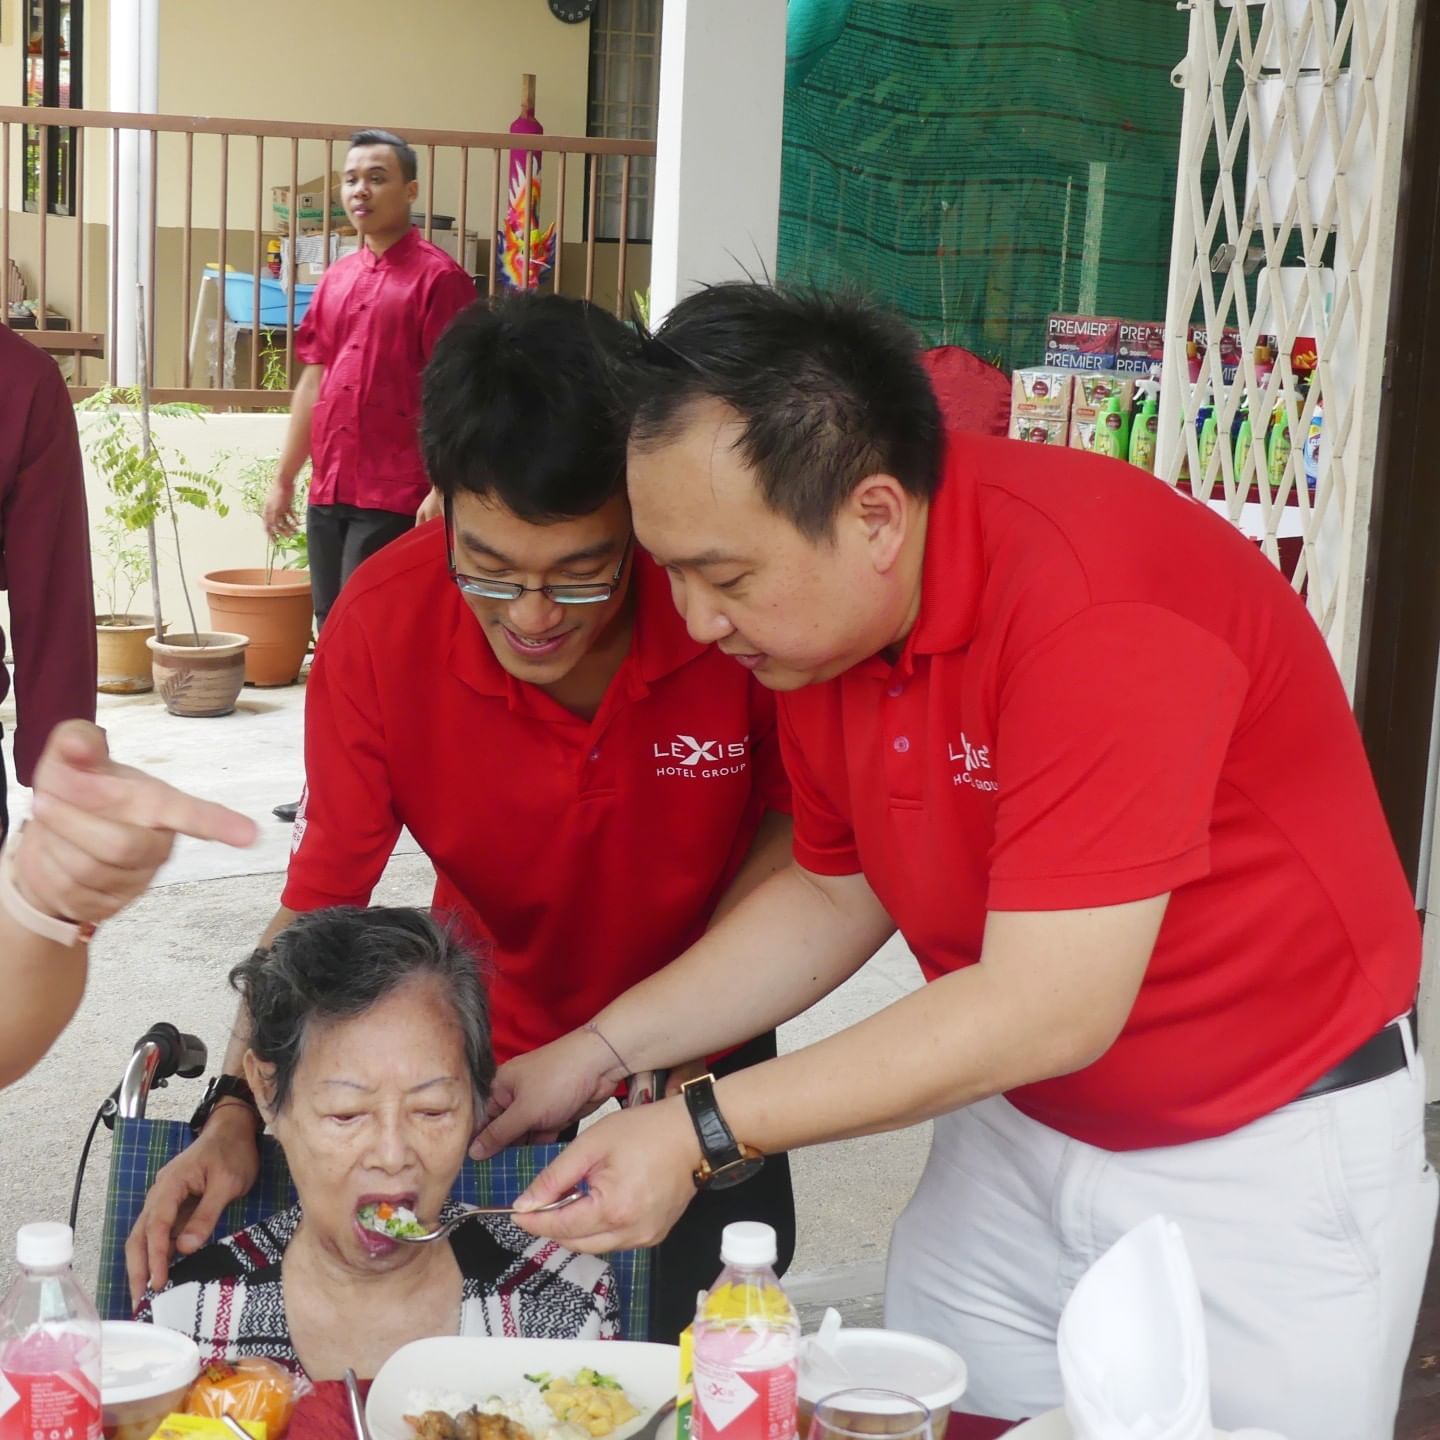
748, 1243
44, 1245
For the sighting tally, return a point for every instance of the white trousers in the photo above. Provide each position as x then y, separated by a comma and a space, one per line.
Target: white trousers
1309, 1231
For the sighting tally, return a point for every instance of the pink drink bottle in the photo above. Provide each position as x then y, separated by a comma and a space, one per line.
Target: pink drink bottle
49, 1344
747, 1342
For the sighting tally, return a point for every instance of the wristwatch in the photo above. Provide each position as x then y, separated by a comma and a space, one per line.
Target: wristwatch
224, 1087
725, 1161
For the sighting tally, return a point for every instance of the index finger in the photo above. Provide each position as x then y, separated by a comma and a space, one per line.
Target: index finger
503, 1130
87, 779
159, 806
562, 1175
147, 1248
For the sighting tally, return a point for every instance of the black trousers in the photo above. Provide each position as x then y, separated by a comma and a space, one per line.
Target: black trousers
340, 537
688, 1259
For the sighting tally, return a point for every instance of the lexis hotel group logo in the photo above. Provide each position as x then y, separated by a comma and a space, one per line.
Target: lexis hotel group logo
979, 771
690, 757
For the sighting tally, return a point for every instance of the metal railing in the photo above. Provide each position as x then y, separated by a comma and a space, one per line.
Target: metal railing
191, 191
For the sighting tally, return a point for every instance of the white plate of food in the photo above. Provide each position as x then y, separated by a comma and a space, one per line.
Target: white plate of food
547, 1389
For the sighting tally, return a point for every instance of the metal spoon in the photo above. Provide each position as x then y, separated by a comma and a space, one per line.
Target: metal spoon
357, 1407
471, 1212
651, 1428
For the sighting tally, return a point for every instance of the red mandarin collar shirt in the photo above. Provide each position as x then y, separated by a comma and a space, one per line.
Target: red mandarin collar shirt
1108, 695
44, 550
583, 855
372, 323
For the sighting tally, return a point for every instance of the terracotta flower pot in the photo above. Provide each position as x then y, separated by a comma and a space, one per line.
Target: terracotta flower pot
276, 616
199, 680
123, 660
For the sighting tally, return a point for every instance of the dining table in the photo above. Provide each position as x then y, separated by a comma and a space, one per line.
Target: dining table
324, 1414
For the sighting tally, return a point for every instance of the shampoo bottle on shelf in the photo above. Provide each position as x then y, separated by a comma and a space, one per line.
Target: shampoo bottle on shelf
1110, 437
746, 1345
1277, 455
49, 1344
1143, 433
1244, 443
1209, 435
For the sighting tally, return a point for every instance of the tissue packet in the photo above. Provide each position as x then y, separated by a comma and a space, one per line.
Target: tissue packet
1082, 342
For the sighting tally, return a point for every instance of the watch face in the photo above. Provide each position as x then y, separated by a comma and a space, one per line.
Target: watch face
724, 1177
572, 12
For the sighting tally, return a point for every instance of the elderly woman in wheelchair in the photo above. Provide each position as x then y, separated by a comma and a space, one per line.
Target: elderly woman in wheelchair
370, 1059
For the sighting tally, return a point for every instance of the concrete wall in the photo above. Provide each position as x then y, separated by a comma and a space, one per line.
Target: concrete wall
209, 542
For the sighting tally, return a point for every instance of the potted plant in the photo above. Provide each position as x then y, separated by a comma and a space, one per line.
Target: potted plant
272, 604
123, 659
196, 674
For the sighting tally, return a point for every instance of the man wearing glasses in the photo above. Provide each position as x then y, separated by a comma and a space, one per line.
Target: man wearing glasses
515, 686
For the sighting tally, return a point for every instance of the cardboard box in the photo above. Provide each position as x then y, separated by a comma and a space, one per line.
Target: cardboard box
1039, 388
1229, 348
1141, 348
309, 204
1091, 393
1039, 429
1082, 342
1040, 405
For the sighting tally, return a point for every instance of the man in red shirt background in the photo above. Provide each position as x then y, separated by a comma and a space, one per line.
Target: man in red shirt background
513, 685
1073, 735
370, 328
44, 554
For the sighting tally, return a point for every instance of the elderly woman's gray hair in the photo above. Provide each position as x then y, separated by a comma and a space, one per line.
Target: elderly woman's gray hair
334, 964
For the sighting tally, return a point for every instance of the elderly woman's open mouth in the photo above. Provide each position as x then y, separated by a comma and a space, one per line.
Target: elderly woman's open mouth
381, 1221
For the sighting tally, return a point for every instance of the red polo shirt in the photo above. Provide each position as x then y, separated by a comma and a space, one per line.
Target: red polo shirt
1109, 694
587, 853
372, 324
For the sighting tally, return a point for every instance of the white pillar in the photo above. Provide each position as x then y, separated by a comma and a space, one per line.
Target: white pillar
134, 85
717, 164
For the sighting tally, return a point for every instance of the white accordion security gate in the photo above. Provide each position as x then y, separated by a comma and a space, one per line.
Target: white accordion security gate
1285, 218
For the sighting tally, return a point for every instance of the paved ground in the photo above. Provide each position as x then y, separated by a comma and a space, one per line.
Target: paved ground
167, 957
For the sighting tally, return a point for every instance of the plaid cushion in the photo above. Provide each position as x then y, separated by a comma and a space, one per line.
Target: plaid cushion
141, 1147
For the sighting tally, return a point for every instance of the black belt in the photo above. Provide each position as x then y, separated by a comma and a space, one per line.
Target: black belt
1381, 1055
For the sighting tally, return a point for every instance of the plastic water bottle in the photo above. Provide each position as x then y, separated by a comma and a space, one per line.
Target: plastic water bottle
747, 1345
49, 1344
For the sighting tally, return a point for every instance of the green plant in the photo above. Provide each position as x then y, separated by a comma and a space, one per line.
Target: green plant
274, 372
127, 568
640, 300
253, 477
148, 481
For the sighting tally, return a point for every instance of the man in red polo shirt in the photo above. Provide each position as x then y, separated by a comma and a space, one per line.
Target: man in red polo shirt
514, 686
370, 328
1069, 731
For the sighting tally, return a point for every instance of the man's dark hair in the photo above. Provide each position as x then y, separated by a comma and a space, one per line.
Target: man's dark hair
829, 389
335, 964
404, 152
525, 403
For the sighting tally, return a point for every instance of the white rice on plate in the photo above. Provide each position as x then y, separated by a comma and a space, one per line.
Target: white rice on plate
524, 1407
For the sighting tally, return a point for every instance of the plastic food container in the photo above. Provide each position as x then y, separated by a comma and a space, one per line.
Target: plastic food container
887, 1360
145, 1372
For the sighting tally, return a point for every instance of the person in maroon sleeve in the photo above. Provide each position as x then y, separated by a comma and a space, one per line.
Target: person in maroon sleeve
513, 685
44, 554
1085, 746
370, 328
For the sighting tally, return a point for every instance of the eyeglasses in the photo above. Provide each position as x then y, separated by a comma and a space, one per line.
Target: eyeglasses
590, 594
